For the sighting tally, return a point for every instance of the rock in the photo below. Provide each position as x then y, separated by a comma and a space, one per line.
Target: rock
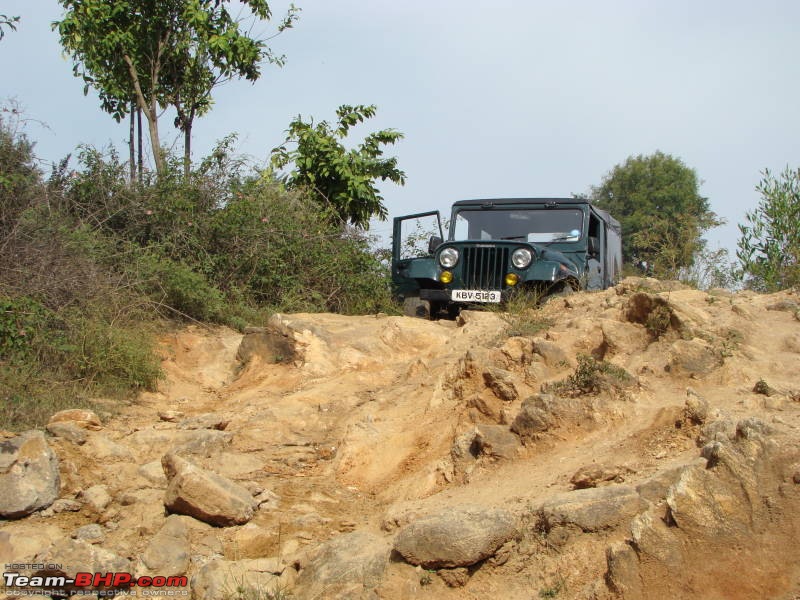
535, 416
701, 504
101, 448
455, 537
693, 357
718, 430
21, 546
654, 540
784, 305
592, 509
268, 345
77, 556
168, 551
252, 541
154, 473
205, 421
496, 441
619, 337
205, 495
204, 442
267, 500
358, 558
65, 505
253, 578
68, 431
96, 497
170, 416
91, 534
86, 419
792, 343
553, 355
696, 408
502, 383
29, 477
623, 576
454, 577
593, 475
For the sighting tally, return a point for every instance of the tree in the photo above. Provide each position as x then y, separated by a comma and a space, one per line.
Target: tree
769, 248
10, 22
656, 198
161, 53
341, 179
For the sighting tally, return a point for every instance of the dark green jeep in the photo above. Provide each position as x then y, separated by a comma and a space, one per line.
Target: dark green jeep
497, 247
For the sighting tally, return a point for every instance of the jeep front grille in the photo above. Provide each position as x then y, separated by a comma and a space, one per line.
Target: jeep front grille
484, 268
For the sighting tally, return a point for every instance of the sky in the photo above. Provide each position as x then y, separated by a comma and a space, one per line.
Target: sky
508, 98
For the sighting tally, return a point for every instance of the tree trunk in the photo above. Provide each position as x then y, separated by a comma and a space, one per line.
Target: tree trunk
150, 113
141, 158
187, 143
132, 145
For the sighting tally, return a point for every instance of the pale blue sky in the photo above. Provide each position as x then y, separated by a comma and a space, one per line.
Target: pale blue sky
502, 98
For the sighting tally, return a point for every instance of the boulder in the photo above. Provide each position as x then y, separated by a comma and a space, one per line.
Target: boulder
454, 577
352, 558
696, 409
455, 537
536, 416
552, 354
22, 545
69, 431
91, 534
85, 419
269, 345
168, 551
592, 509
206, 421
205, 495
496, 441
593, 475
249, 578
29, 478
501, 382
96, 497
693, 357
75, 556
623, 575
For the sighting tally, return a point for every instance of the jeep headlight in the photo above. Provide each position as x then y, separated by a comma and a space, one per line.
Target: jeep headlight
448, 258
521, 258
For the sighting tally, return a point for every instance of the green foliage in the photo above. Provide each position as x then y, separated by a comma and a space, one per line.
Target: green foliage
663, 215
166, 53
591, 376
10, 22
341, 179
710, 269
769, 247
19, 178
522, 313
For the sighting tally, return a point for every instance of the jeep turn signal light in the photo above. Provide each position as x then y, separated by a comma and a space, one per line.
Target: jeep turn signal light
445, 277
512, 279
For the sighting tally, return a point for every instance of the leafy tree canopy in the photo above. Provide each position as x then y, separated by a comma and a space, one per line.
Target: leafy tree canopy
161, 53
663, 215
340, 178
10, 22
769, 247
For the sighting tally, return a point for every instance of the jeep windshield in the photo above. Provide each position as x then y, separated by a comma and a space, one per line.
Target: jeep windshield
520, 224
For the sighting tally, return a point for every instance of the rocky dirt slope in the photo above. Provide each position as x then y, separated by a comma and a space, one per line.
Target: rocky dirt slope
640, 442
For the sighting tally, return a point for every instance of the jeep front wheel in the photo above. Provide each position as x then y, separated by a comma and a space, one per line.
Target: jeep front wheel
414, 306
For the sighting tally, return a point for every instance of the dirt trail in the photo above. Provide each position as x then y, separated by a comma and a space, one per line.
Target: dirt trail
360, 429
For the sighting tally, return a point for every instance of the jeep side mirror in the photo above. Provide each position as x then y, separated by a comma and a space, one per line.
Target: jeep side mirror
434, 243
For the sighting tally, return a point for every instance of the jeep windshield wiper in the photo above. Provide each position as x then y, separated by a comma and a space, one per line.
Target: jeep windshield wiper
515, 237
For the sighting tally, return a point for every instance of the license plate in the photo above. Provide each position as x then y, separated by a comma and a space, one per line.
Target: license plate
475, 295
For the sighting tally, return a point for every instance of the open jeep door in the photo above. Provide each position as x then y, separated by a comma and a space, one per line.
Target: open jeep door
414, 241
